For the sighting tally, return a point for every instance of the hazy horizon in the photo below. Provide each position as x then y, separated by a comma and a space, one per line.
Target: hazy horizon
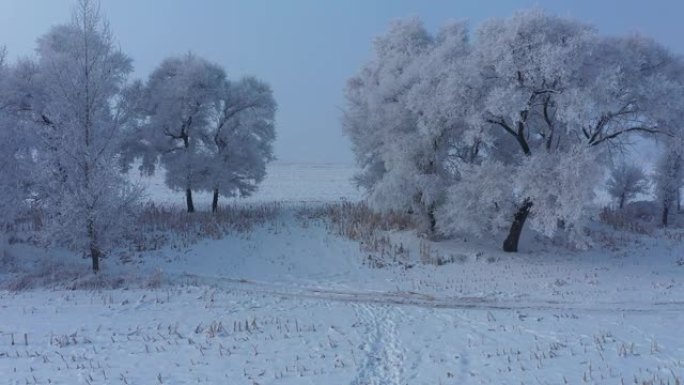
305, 49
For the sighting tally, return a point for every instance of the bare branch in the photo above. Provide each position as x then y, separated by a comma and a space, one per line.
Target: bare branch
648, 130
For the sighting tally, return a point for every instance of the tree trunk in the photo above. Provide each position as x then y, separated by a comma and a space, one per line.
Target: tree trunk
188, 201
432, 219
510, 245
666, 210
95, 252
622, 201
214, 201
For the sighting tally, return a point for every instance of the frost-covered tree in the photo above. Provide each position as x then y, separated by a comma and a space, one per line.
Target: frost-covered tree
177, 102
239, 138
210, 133
524, 63
15, 159
552, 90
444, 143
71, 97
626, 182
534, 100
401, 154
669, 177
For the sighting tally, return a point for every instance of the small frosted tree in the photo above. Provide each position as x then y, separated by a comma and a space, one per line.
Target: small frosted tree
71, 97
626, 182
240, 138
210, 133
177, 105
669, 177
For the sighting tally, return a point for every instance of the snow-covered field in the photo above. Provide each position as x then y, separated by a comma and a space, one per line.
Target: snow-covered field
291, 303
284, 182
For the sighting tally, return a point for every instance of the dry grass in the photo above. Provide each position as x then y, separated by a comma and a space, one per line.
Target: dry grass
74, 277
159, 226
156, 227
372, 229
357, 221
627, 220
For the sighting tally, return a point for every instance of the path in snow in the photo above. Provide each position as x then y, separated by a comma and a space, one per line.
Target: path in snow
383, 363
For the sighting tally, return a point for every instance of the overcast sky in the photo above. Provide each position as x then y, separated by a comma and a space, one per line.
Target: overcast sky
306, 49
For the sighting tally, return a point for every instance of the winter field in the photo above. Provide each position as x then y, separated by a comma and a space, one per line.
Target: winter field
290, 300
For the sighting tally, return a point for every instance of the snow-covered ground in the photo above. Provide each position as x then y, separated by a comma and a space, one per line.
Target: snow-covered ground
291, 303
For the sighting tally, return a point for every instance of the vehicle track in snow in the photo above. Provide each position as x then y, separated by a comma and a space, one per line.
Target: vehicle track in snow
409, 298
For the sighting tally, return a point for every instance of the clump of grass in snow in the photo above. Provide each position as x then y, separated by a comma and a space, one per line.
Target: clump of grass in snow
358, 222
160, 226
627, 220
59, 274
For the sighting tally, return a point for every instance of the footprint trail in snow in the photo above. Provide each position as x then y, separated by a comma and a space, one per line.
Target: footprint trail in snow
383, 362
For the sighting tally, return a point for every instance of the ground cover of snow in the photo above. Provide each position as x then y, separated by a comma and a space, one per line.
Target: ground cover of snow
290, 302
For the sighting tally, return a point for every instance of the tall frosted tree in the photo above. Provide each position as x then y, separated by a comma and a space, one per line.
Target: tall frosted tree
71, 96
522, 64
552, 89
7, 174
520, 118
553, 85
15, 159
